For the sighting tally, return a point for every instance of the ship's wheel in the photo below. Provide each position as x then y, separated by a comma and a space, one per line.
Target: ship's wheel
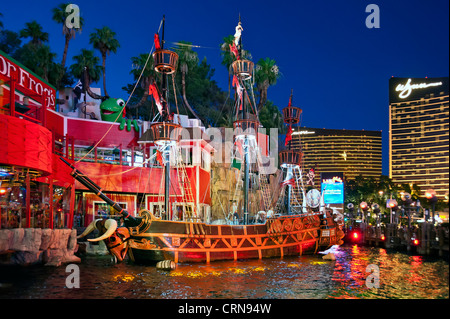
313, 198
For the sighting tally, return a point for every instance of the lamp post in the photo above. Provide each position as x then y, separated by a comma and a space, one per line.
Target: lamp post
407, 200
351, 208
392, 205
376, 211
430, 194
364, 207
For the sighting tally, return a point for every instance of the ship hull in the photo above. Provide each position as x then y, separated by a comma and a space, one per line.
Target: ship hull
293, 235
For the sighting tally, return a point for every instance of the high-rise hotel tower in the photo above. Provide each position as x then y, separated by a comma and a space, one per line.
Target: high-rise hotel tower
419, 133
351, 152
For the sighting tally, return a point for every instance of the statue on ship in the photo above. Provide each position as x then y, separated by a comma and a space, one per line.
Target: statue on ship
113, 110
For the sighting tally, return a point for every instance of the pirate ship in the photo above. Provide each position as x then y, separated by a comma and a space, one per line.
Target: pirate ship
285, 227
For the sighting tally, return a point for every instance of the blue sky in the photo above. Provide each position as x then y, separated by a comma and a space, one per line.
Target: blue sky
339, 69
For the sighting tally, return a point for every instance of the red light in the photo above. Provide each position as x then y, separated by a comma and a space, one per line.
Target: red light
416, 242
355, 235
2, 191
382, 237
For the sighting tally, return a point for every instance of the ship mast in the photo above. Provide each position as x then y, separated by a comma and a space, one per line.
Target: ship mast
164, 134
164, 119
290, 159
246, 123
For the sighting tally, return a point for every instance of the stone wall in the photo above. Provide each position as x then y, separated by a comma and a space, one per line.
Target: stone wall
29, 246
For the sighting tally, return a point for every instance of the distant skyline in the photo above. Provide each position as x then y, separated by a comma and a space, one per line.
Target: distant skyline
338, 68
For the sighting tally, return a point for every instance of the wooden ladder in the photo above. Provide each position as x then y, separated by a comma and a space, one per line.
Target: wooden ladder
186, 188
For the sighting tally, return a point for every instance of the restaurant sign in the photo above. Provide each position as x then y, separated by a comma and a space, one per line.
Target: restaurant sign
26, 81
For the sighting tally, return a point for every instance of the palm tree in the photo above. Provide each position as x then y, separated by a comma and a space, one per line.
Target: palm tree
89, 62
187, 59
9, 41
34, 31
44, 61
271, 117
227, 57
38, 58
148, 76
266, 74
60, 15
104, 40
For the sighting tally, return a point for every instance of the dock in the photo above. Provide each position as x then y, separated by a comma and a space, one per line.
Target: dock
423, 239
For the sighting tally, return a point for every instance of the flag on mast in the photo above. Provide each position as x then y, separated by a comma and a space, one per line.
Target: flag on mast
153, 91
157, 43
288, 136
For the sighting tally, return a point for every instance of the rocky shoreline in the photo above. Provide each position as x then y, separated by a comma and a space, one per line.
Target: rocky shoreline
31, 246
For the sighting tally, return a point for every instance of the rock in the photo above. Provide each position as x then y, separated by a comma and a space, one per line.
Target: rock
29, 246
72, 243
46, 238
329, 256
17, 238
26, 258
31, 239
5, 239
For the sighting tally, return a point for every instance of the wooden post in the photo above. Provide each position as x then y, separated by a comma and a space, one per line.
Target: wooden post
441, 234
72, 205
66, 139
120, 155
408, 239
423, 230
50, 203
27, 201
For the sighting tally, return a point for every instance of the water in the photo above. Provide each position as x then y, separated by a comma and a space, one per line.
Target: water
304, 277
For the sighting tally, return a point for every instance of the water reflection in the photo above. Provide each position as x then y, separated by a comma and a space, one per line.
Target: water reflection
401, 276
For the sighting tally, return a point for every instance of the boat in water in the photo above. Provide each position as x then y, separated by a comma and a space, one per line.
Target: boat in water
284, 228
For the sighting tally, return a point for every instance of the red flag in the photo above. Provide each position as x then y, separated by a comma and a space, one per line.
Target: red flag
234, 50
153, 90
288, 136
239, 147
159, 158
239, 89
157, 45
288, 182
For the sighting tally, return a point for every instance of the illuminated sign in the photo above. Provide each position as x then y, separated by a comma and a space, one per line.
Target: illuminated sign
332, 188
406, 89
335, 179
24, 79
303, 132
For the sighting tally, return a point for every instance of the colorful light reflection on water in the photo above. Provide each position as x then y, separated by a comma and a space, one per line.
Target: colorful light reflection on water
305, 277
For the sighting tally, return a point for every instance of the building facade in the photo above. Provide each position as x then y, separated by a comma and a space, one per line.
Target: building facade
36, 188
419, 133
351, 152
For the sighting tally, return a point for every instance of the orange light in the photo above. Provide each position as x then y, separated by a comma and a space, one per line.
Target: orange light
416, 242
2, 191
392, 204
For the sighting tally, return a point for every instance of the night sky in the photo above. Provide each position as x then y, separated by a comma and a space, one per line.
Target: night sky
339, 69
